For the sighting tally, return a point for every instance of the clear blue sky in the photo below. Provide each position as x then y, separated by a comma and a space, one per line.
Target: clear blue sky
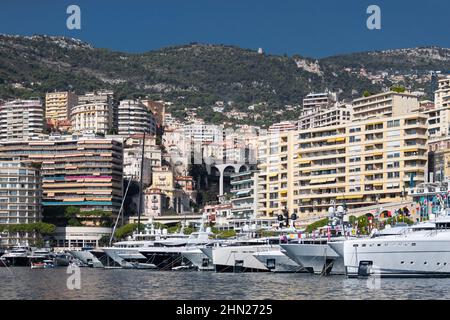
314, 28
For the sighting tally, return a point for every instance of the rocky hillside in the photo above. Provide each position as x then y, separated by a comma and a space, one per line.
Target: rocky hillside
199, 75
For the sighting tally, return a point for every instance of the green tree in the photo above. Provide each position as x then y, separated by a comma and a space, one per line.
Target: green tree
398, 89
127, 230
316, 225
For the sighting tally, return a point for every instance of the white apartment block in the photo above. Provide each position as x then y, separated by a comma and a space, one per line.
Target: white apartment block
324, 99
283, 126
324, 116
439, 116
442, 94
135, 117
21, 120
20, 198
96, 112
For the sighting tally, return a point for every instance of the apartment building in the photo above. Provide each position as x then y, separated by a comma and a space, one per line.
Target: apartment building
155, 202
359, 164
135, 117
58, 105
283, 126
21, 119
20, 198
95, 112
84, 172
319, 100
386, 104
163, 179
442, 94
243, 195
439, 116
322, 116
132, 157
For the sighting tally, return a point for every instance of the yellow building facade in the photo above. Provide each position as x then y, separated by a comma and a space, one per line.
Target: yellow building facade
360, 163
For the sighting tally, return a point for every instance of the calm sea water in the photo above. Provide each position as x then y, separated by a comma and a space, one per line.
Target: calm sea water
51, 284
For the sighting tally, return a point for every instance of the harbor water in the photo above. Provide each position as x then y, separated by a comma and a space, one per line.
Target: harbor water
119, 284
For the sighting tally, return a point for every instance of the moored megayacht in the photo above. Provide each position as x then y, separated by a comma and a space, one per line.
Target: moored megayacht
421, 250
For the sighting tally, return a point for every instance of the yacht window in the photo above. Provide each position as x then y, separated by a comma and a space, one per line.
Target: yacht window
413, 244
412, 262
445, 263
438, 263
425, 262
364, 245
379, 244
355, 246
403, 262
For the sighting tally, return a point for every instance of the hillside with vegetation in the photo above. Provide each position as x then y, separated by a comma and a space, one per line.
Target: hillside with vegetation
198, 76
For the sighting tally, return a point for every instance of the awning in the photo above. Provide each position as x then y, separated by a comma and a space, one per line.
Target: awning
304, 161
240, 193
349, 197
378, 184
283, 191
273, 175
340, 139
306, 200
331, 140
377, 154
316, 181
411, 150
331, 180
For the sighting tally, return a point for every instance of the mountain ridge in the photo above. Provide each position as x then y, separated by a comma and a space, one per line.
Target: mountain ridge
197, 75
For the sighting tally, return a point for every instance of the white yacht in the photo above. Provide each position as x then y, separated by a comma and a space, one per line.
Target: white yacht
420, 250
168, 253
17, 257
154, 247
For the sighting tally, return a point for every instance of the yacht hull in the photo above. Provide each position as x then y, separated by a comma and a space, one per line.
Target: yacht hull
277, 261
401, 257
201, 261
316, 258
87, 258
239, 258
16, 261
